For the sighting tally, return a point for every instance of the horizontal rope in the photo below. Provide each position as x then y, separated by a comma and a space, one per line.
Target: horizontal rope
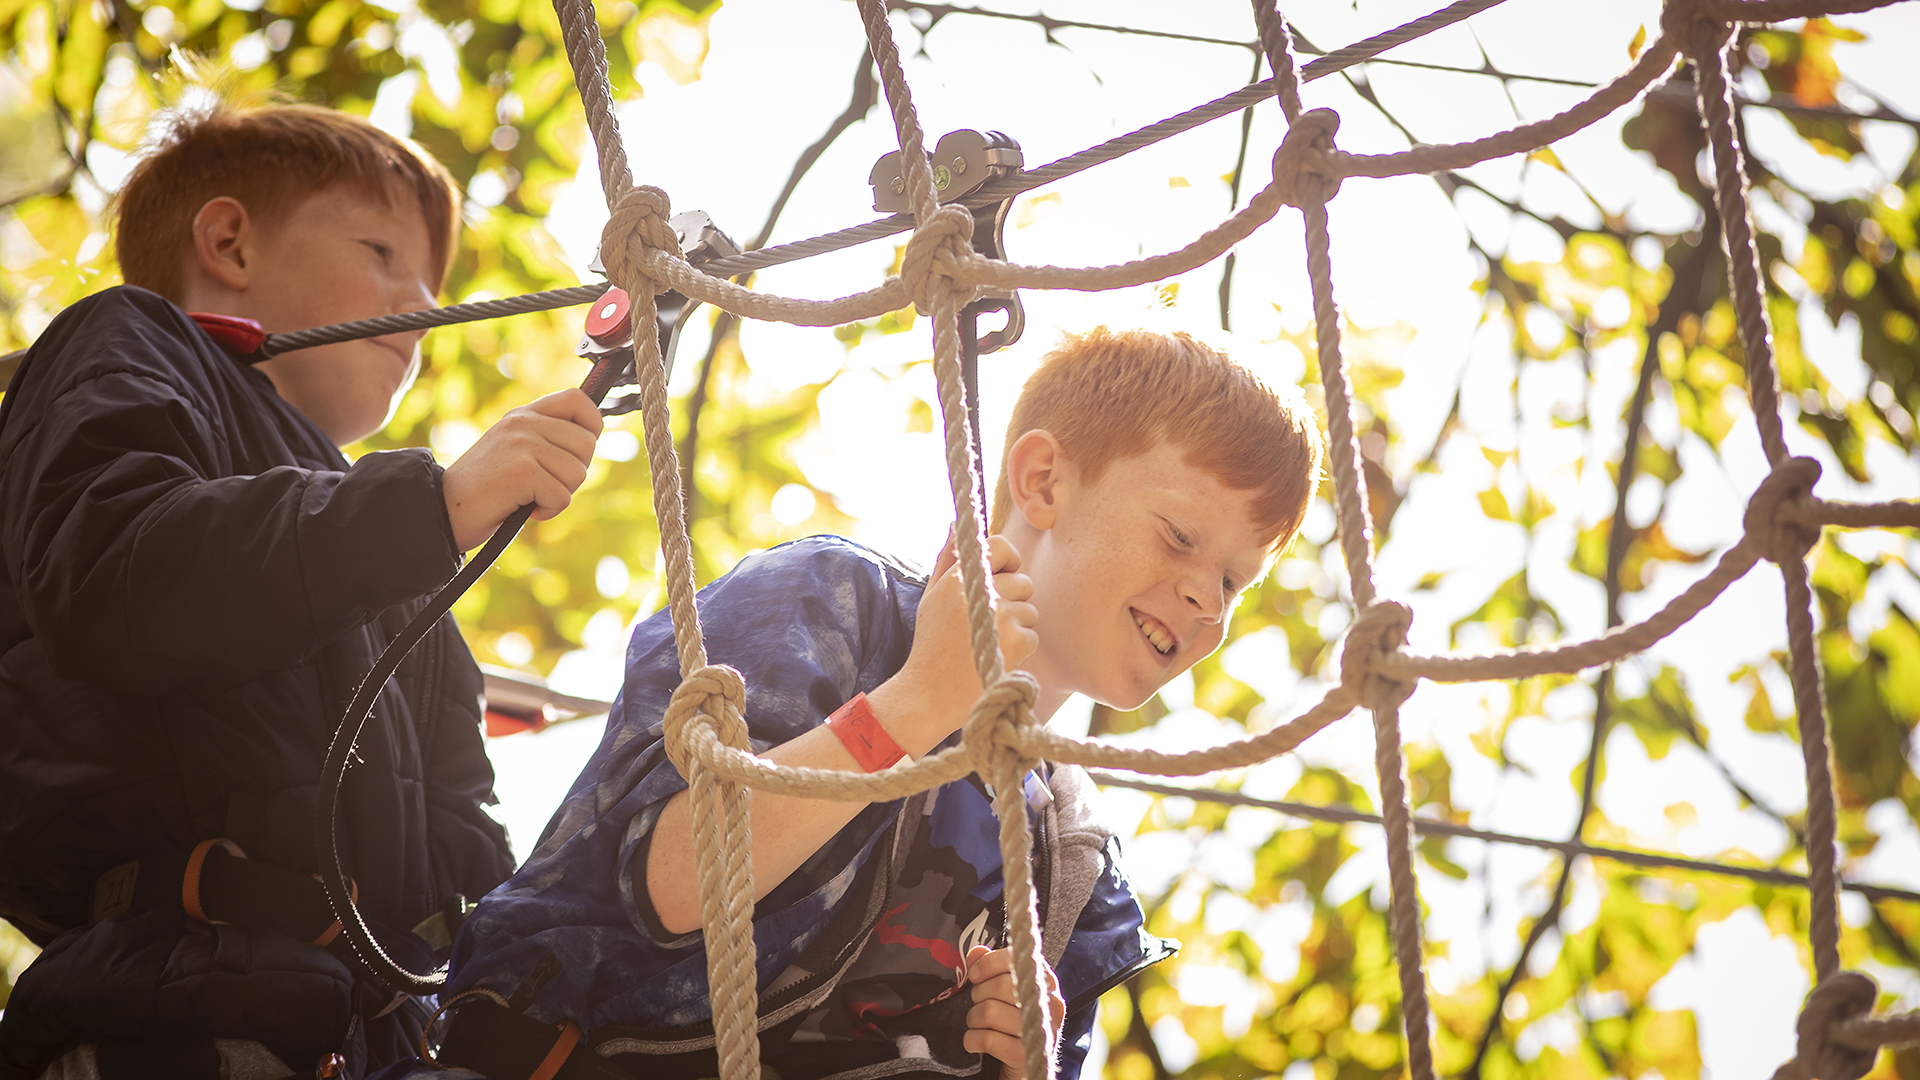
1870, 1032
1347, 814
1895, 514
1568, 658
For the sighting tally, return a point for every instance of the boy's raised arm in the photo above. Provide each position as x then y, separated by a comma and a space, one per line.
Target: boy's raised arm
927, 700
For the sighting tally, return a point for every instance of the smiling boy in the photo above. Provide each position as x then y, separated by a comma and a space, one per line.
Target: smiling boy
1147, 482
195, 581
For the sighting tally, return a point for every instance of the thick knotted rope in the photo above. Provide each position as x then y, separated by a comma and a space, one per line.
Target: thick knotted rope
1305, 170
935, 252
639, 224
1774, 520
1694, 26
1844, 996
993, 727
1379, 629
715, 696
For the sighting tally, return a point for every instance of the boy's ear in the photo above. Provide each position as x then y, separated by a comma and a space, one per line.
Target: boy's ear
223, 242
1035, 468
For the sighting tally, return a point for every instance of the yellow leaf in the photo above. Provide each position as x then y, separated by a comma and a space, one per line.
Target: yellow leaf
1494, 505
1639, 42
1178, 182
1547, 157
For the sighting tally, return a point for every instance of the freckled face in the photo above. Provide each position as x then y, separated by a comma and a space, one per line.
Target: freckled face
1137, 578
342, 255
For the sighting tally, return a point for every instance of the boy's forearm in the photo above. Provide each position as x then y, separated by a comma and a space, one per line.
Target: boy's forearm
786, 830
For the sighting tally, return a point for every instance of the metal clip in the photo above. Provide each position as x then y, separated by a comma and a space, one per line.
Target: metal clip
989, 239
962, 162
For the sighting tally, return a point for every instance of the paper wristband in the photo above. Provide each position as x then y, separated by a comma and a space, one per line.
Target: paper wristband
857, 729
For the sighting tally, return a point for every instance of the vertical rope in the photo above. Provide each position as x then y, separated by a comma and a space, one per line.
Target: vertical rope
1356, 544
1276, 39
968, 515
1343, 449
1008, 772
588, 56
1714, 96
1809, 700
720, 810
1709, 41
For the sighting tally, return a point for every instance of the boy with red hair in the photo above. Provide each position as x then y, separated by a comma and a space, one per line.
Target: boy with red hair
1148, 481
196, 579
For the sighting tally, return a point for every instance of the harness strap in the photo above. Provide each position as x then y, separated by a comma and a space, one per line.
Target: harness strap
216, 883
506, 1044
558, 1055
190, 881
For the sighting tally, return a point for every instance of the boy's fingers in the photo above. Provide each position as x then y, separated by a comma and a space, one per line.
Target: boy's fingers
1009, 586
997, 1044
994, 962
1002, 556
1023, 614
997, 988
571, 405
995, 1016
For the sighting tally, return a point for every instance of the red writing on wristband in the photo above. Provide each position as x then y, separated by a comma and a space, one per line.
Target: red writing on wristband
860, 732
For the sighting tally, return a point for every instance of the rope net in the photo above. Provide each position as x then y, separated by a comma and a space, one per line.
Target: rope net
706, 733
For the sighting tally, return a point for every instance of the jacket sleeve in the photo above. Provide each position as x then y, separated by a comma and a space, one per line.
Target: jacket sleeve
139, 563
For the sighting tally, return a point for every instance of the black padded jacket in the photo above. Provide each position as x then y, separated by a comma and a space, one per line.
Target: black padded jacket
195, 580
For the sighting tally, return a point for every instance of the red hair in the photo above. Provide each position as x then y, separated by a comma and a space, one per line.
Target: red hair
1108, 394
269, 159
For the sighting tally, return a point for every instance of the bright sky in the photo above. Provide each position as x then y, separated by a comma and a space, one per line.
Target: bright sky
779, 71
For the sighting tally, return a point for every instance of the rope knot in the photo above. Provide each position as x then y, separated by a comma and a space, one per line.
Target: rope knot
1780, 536
934, 252
714, 697
638, 225
1841, 997
997, 716
1303, 167
1380, 629
1694, 26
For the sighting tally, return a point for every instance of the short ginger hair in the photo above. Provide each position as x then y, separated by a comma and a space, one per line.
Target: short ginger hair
269, 158
1110, 394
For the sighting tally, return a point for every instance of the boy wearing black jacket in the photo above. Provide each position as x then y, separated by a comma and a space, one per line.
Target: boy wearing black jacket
195, 580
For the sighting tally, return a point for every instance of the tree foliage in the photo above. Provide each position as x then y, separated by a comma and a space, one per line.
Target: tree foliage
1287, 966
